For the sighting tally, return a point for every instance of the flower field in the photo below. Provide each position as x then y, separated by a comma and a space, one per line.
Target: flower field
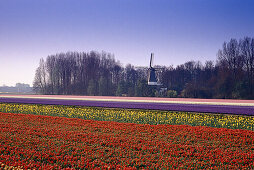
57, 137
151, 117
46, 142
241, 107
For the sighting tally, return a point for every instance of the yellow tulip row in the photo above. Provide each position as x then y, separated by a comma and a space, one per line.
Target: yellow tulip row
134, 115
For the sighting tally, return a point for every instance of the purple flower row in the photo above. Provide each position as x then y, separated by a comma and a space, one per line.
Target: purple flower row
228, 109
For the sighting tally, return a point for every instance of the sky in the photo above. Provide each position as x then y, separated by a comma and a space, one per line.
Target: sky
176, 31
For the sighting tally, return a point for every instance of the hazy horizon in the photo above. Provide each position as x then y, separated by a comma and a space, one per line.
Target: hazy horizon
175, 31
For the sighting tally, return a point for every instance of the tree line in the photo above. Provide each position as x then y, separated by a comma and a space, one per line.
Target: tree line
94, 73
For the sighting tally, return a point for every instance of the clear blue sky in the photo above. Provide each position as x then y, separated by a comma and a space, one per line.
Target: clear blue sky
175, 30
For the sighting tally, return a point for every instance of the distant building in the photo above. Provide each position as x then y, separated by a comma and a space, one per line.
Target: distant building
19, 88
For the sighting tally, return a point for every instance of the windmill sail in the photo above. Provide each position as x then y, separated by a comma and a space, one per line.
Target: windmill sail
151, 60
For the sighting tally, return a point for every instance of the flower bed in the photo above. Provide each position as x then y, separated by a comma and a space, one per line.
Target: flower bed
189, 105
152, 117
35, 141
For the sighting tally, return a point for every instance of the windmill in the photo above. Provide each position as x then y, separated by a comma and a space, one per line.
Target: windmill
152, 78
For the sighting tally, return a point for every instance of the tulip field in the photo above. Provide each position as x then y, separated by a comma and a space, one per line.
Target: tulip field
223, 106
36, 136
152, 117
46, 142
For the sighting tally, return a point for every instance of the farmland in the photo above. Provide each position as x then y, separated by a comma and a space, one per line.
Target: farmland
36, 141
242, 107
37, 136
152, 117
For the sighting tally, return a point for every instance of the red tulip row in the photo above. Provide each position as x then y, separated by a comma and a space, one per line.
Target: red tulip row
45, 142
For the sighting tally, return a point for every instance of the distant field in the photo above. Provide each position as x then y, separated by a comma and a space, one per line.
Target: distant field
37, 136
36, 141
241, 107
